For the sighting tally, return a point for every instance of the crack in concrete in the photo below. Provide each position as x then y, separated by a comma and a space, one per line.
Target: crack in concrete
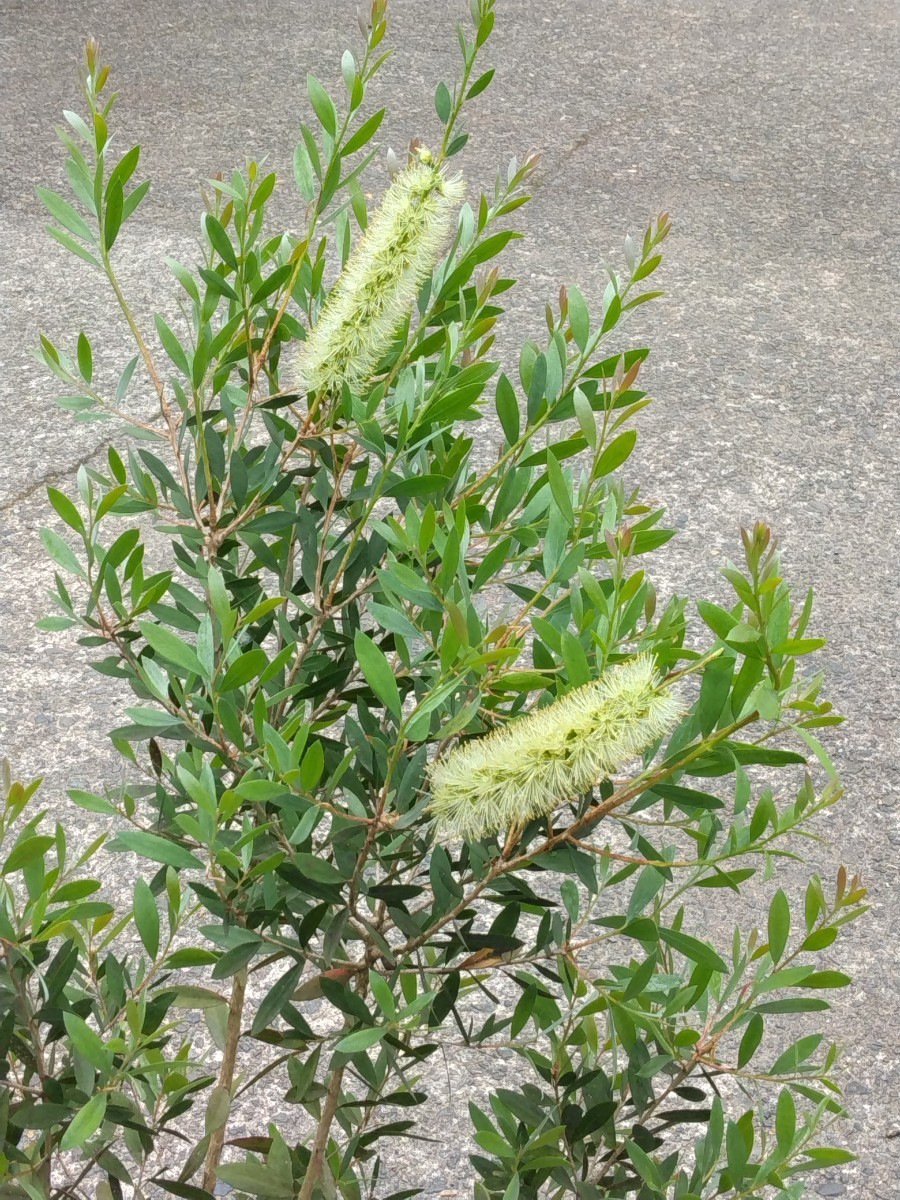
51, 477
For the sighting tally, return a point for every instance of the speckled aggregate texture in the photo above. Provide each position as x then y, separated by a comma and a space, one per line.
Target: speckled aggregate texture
768, 129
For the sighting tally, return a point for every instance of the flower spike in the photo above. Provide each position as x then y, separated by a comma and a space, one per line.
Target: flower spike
381, 279
529, 767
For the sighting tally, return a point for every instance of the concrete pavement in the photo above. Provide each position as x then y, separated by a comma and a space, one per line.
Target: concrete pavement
768, 129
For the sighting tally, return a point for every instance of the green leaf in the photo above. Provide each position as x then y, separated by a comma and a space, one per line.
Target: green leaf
172, 346
799, 646
221, 604
480, 84
796, 1054
312, 767
133, 199
747, 752
687, 799
578, 668
319, 870
785, 1121
220, 241
649, 882
741, 635
507, 405
254, 1178
418, 485
151, 718
155, 848
92, 803
779, 924
694, 949
63, 212
513, 1188
275, 1000
818, 1157
263, 191
125, 167
560, 489
216, 283
647, 268
443, 102
85, 358
584, 414
244, 668
612, 314
217, 1108
171, 647
493, 1143
29, 850
378, 673
86, 1041
114, 214
146, 917
618, 450
364, 134
54, 624
579, 317
235, 959
61, 552
66, 509
85, 1123
361, 1039
644, 1165
383, 995
750, 1040
66, 239
323, 105
714, 691
827, 979
190, 996
720, 621
303, 172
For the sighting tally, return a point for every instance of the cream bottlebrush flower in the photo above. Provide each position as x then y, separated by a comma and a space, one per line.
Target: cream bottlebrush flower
381, 279
535, 763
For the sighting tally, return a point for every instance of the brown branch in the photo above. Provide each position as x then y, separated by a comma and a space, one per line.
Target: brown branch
320, 1144
226, 1075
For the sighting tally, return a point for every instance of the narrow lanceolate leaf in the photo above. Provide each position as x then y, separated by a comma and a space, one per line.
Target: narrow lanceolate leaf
86, 1041
378, 673
694, 949
579, 318
66, 509
171, 647
63, 212
172, 346
362, 1039
66, 239
156, 848
61, 552
322, 104
86, 1122
785, 1121
146, 917
779, 924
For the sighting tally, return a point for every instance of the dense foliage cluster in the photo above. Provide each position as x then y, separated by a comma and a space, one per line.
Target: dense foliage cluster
408, 726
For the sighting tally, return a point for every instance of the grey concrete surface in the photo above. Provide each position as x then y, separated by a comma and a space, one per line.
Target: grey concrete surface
767, 128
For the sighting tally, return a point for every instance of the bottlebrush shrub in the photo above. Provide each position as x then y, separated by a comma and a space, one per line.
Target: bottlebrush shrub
409, 727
